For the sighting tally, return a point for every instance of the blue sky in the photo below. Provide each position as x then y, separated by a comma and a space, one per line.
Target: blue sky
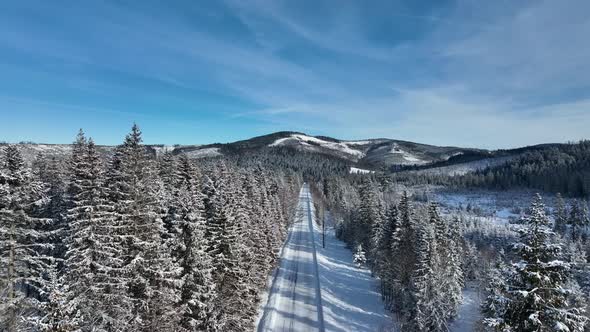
469, 73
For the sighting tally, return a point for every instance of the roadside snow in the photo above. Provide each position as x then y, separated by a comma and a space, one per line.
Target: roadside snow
350, 296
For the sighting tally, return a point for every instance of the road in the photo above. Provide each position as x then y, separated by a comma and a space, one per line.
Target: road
294, 301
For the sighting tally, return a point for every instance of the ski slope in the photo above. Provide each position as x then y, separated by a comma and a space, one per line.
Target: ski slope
294, 302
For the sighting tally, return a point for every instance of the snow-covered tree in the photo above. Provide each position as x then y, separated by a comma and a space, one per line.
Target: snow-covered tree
23, 243
369, 217
359, 257
404, 241
147, 270
59, 312
383, 253
197, 290
497, 300
578, 219
560, 215
538, 299
93, 254
425, 312
437, 280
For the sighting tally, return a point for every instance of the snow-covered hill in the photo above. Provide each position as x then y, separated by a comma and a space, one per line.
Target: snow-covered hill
350, 149
371, 152
368, 154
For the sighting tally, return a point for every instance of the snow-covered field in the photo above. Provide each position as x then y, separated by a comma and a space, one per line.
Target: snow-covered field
502, 206
350, 296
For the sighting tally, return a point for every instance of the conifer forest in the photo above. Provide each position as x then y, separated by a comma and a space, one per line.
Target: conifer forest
140, 238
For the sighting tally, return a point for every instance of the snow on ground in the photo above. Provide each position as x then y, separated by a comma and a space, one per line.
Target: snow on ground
350, 296
365, 142
354, 170
294, 302
407, 156
467, 167
311, 141
469, 312
357, 142
503, 206
204, 153
347, 298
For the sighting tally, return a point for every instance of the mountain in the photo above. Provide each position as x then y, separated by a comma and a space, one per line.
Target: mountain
372, 154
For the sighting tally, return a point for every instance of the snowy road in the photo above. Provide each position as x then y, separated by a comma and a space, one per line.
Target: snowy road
294, 302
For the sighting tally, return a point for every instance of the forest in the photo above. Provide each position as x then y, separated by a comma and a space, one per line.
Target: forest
137, 242
563, 168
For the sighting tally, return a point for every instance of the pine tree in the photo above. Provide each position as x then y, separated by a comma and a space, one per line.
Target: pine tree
241, 297
497, 299
425, 311
59, 311
22, 244
384, 256
404, 242
576, 219
538, 299
560, 215
55, 206
359, 258
148, 273
369, 222
197, 289
222, 236
453, 274
437, 279
92, 255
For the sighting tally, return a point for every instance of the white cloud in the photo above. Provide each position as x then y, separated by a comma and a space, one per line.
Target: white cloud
493, 74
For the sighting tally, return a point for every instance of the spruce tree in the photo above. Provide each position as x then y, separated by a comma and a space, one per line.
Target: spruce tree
497, 297
404, 241
538, 297
93, 253
384, 257
23, 244
60, 313
425, 311
369, 221
147, 271
560, 215
197, 291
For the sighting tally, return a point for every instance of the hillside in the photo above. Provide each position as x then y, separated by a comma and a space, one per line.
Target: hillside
370, 154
